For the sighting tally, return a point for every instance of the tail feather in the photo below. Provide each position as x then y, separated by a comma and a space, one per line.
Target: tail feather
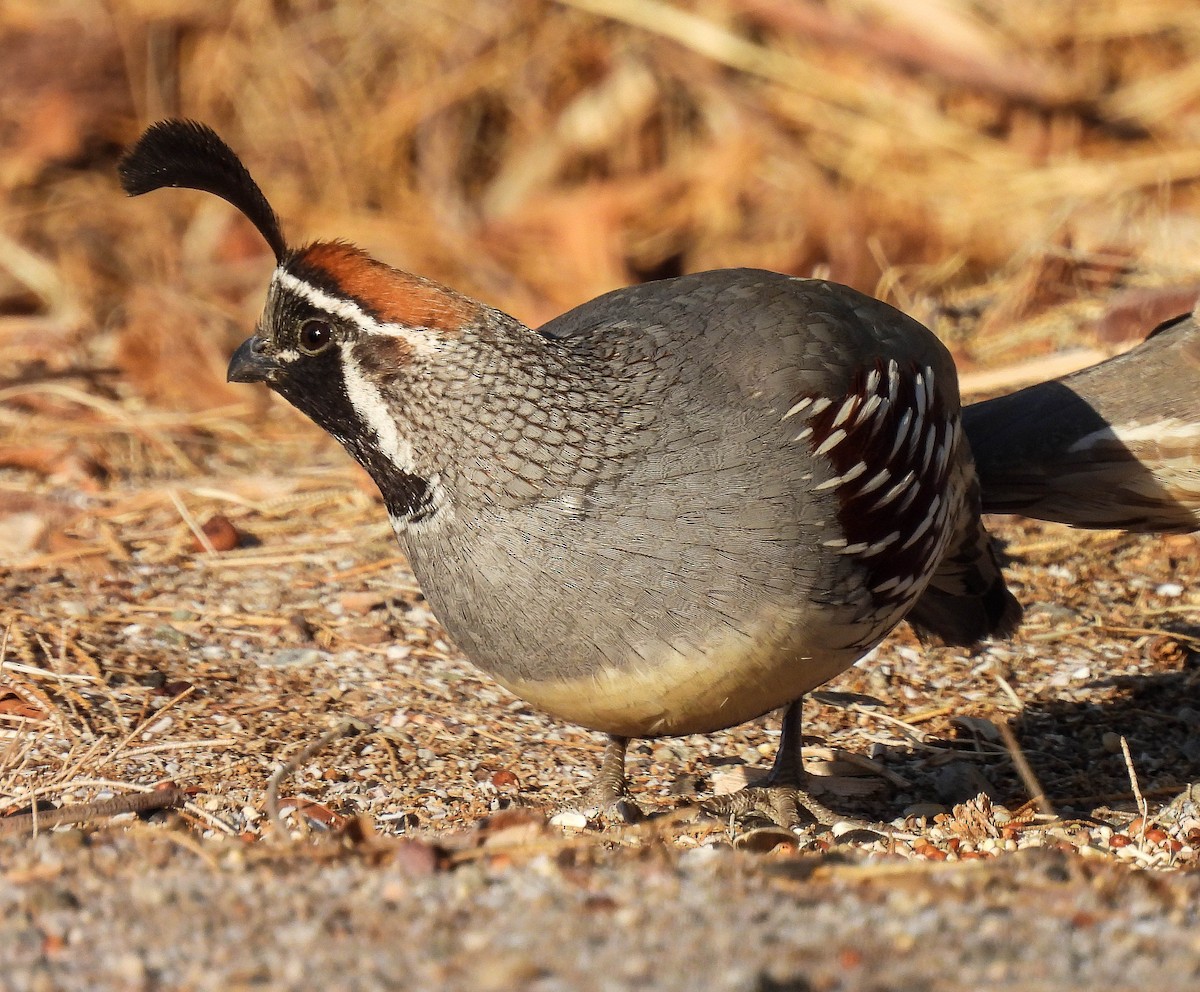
1116, 445
967, 599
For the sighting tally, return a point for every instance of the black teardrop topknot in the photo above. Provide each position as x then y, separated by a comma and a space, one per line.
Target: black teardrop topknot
191, 155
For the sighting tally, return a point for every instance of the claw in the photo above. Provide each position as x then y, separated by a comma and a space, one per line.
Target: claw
780, 806
780, 797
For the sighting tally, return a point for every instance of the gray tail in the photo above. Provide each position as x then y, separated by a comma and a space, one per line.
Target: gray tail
966, 600
1116, 445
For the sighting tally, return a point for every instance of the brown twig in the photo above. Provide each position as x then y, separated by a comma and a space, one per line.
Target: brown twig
1143, 809
294, 762
1037, 794
134, 802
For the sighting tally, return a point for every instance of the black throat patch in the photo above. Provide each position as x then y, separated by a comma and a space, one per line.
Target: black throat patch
317, 388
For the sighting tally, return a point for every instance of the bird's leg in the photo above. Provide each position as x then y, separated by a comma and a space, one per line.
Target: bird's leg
610, 790
781, 795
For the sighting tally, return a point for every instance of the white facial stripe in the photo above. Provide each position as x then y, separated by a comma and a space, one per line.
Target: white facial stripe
416, 337
368, 403
345, 309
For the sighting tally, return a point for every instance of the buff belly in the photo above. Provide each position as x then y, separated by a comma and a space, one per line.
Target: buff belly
672, 692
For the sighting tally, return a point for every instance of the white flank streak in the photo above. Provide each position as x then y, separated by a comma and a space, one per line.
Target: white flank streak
806, 433
352, 312
930, 437
901, 431
798, 408
844, 413
853, 473
877, 480
929, 389
915, 438
369, 404
854, 549
919, 394
873, 380
885, 586
907, 501
821, 404
884, 542
895, 491
893, 380
831, 442
885, 408
837, 542
916, 534
868, 408
943, 515
943, 454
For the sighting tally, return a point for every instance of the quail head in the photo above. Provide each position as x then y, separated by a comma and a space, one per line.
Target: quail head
673, 509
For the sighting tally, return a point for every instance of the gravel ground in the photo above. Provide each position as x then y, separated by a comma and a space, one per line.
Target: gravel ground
428, 845
146, 912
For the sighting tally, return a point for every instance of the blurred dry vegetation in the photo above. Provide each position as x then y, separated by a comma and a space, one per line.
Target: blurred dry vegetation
1020, 174
979, 163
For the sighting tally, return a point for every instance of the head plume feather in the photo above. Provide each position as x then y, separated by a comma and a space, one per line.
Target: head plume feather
191, 155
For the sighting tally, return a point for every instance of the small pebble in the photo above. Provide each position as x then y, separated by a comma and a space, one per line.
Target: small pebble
570, 819
157, 727
219, 533
291, 658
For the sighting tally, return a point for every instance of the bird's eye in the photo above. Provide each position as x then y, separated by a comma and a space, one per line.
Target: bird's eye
315, 336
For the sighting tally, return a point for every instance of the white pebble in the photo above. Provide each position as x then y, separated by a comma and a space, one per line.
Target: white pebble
570, 819
157, 727
1171, 589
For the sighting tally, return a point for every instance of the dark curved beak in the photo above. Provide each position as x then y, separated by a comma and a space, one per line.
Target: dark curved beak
250, 363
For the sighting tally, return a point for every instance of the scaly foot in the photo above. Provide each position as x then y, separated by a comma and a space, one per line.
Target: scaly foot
609, 795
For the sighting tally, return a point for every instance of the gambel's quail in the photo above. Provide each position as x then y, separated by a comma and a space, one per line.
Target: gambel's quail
668, 511
1114, 445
